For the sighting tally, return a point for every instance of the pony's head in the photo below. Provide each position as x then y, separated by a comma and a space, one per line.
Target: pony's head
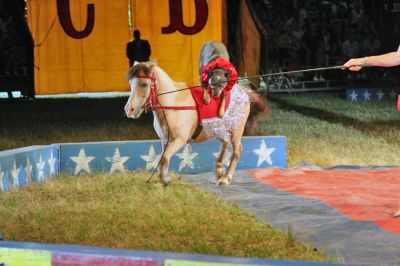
217, 80
140, 77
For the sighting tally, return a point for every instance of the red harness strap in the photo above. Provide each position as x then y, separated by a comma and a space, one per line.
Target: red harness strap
152, 102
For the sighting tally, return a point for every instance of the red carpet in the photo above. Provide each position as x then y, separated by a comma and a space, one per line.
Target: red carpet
368, 195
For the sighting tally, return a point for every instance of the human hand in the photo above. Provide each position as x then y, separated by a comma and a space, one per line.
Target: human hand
355, 64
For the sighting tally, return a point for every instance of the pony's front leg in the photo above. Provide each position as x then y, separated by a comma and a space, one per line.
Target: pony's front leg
170, 149
237, 150
219, 164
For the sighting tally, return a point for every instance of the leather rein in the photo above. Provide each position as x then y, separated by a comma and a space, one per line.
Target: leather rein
152, 102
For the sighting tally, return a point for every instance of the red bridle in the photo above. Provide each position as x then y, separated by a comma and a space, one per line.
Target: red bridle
152, 102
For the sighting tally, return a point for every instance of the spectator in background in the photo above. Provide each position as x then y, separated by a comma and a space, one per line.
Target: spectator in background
314, 49
350, 46
288, 44
138, 49
371, 44
356, 12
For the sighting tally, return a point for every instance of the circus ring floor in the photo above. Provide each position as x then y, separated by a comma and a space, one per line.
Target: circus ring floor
344, 211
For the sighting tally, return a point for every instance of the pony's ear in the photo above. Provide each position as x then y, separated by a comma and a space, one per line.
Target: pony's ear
152, 63
135, 63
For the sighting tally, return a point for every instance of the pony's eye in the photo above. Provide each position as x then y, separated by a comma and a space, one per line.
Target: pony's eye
143, 84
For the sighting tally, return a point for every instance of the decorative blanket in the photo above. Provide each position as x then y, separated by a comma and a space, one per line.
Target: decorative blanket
208, 110
215, 127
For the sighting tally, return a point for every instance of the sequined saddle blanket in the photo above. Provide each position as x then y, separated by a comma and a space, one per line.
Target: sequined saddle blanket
219, 127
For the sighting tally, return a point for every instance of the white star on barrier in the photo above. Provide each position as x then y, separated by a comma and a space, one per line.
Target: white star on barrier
151, 158
52, 163
28, 171
40, 167
380, 94
264, 153
227, 158
14, 173
187, 158
393, 94
82, 162
1, 180
353, 96
367, 95
117, 162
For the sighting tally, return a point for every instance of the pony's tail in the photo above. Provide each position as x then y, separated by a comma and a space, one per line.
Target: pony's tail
258, 109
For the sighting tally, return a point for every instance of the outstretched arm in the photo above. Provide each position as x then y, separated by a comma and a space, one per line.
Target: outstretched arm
384, 60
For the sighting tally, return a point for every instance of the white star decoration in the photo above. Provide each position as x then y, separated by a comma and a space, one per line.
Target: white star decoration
187, 158
151, 158
380, 94
14, 174
117, 162
82, 162
367, 95
52, 162
40, 167
264, 153
353, 96
392, 94
1, 180
227, 158
28, 171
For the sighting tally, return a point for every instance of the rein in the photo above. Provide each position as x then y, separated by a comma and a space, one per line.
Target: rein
152, 102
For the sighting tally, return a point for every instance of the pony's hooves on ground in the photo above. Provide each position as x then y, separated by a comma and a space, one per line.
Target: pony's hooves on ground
165, 184
165, 181
223, 182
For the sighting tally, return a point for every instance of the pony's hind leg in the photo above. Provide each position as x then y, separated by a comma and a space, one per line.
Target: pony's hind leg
170, 149
237, 150
219, 163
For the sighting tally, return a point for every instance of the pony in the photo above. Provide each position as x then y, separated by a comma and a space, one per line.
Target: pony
176, 118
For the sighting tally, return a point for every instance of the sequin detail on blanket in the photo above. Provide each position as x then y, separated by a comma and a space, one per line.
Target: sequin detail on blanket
219, 128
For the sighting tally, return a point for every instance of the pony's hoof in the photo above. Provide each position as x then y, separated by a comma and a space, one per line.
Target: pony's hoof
165, 181
224, 181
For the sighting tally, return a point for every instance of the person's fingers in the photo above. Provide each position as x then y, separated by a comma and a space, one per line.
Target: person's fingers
355, 68
349, 63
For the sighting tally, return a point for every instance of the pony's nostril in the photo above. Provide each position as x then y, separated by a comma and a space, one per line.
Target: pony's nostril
128, 110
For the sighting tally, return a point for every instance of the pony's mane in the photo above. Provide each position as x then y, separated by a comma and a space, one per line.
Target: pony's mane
139, 68
147, 68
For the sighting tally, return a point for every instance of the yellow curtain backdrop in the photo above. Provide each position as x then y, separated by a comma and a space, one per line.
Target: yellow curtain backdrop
98, 62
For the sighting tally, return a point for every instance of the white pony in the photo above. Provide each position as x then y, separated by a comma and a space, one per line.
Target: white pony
176, 117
